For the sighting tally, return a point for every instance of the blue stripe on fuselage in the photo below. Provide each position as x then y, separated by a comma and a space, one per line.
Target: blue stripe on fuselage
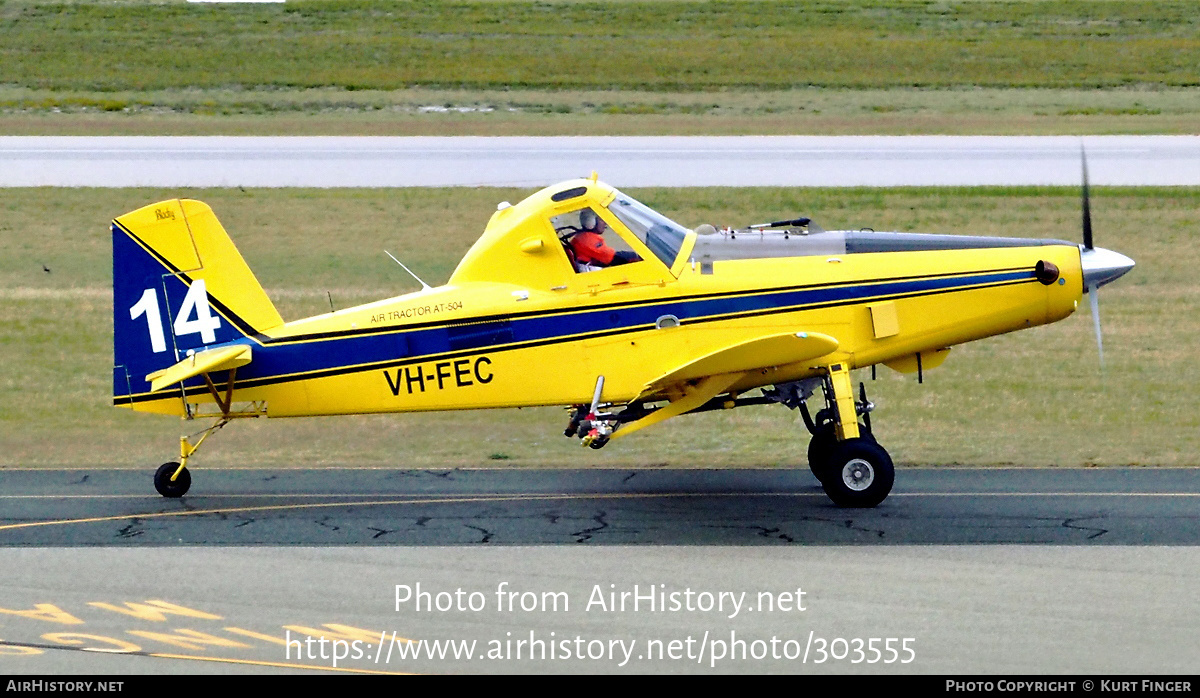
294, 356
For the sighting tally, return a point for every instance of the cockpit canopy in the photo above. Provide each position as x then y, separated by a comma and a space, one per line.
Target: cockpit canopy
531, 243
663, 236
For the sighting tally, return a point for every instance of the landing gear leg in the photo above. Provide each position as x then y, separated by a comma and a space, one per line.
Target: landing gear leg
824, 428
854, 470
173, 480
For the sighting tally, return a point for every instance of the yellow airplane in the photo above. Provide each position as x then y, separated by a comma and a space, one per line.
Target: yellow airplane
629, 328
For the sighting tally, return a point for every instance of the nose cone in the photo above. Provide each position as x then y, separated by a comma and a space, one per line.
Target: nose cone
1101, 266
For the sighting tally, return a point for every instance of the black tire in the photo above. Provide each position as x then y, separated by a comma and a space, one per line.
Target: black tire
820, 448
860, 474
822, 444
162, 481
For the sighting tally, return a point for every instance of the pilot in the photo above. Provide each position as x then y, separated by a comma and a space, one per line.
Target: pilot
589, 246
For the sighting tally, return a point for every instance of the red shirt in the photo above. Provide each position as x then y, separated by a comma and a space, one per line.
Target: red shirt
589, 248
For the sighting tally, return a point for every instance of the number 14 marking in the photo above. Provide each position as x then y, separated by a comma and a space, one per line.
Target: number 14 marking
195, 302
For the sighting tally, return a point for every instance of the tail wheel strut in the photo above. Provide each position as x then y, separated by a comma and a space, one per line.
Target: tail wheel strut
173, 479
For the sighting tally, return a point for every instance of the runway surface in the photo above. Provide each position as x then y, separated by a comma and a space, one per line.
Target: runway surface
798, 161
597, 507
600, 571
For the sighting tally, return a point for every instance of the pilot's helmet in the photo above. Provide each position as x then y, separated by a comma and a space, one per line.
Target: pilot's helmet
588, 220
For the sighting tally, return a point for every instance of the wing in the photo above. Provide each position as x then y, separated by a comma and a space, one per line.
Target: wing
761, 352
704, 378
207, 361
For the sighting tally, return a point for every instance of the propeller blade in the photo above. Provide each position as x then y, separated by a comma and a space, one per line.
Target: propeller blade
1087, 209
1094, 297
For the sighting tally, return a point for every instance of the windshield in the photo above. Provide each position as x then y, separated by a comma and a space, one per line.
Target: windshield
662, 235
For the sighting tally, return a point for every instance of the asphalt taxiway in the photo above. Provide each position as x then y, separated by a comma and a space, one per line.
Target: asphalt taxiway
1117, 506
547, 571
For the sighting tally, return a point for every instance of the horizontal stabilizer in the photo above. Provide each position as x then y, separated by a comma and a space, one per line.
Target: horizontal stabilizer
763, 352
208, 361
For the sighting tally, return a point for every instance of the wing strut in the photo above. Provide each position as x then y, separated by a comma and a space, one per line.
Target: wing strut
694, 396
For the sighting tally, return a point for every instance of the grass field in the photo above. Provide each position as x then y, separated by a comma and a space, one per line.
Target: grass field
620, 67
1031, 398
686, 46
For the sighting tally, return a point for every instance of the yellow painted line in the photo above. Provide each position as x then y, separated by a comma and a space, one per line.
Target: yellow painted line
194, 498
252, 662
597, 495
549, 469
553, 497
1044, 494
226, 660
393, 502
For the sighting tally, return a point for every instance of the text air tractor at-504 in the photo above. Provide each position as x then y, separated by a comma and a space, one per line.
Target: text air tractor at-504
619, 312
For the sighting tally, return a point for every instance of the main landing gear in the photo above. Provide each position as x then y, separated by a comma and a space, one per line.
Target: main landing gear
843, 454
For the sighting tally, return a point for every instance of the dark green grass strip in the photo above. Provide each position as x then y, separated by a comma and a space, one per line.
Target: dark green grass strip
602, 45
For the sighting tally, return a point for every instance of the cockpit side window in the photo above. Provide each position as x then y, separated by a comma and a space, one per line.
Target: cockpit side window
582, 234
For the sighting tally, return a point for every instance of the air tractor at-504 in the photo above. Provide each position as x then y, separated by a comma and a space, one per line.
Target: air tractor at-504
653, 321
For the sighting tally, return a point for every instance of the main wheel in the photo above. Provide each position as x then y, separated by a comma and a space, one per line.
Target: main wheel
821, 447
859, 474
162, 480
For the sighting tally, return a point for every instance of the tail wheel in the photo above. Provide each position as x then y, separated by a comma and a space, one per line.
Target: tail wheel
167, 488
859, 474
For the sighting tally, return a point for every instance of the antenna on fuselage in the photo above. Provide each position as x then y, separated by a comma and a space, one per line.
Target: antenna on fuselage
424, 286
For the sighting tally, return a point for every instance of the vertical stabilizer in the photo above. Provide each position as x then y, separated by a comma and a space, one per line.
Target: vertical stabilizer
179, 284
